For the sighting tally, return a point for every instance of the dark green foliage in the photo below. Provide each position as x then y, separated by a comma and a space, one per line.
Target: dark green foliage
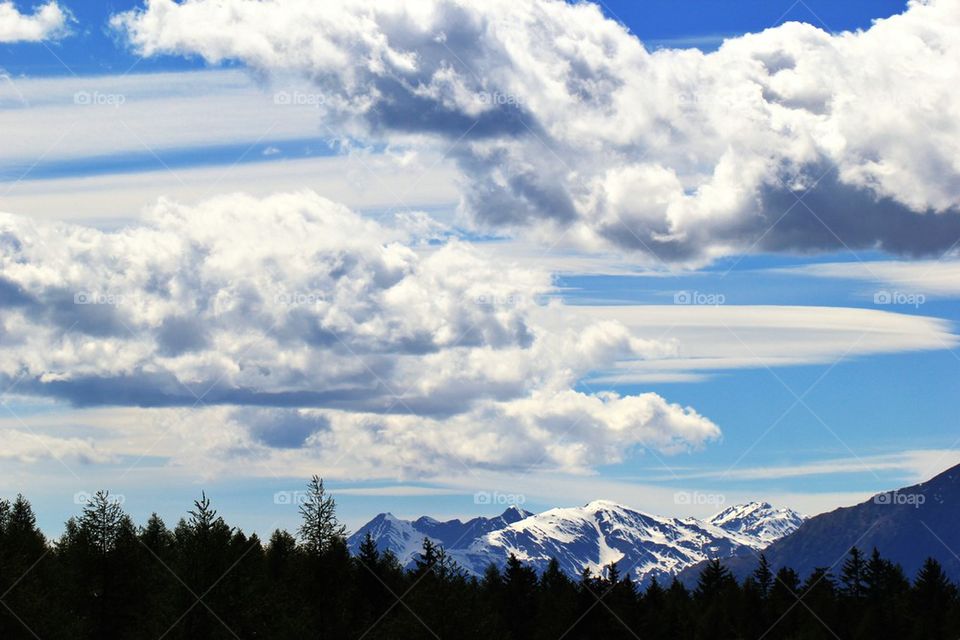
105, 578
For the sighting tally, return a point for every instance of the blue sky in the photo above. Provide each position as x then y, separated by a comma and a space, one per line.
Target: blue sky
828, 363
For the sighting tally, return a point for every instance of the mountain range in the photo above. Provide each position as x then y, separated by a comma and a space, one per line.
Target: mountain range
906, 526
587, 537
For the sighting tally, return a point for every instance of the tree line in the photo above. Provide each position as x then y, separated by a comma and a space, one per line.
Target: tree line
107, 578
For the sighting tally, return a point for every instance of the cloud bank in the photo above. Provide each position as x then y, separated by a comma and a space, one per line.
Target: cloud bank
561, 120
48, 22
310, 324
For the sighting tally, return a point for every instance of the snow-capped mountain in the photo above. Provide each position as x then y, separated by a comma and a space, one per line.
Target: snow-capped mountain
906, 526
405, 537
760, 521
587, 537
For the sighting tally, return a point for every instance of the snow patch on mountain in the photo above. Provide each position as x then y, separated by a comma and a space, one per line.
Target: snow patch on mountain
588, 537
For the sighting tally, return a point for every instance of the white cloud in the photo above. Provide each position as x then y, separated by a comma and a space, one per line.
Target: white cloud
24, 446
99, 116
915, 465
435, 356
375, 183
563, 120
48, 22
927, 277
724, 337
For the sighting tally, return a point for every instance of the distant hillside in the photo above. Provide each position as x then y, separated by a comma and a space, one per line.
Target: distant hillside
906, 526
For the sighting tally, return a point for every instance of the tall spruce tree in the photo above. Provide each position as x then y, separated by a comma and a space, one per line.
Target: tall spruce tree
852, 575
319, 527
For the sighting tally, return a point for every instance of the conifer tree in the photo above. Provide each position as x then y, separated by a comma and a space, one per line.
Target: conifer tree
319, 528
764, 576
852, 575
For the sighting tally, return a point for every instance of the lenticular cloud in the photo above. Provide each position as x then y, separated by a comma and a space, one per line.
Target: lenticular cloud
789, 139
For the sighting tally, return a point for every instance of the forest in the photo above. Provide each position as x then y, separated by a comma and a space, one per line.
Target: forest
105, 578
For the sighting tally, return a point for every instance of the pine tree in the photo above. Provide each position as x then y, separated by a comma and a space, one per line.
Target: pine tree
202, 546
763, 576
852, 575
25, 563
557, 603
426, 559
714, 580
519, 597
368, 554
932, 598
319, 528
101, 522
202, 517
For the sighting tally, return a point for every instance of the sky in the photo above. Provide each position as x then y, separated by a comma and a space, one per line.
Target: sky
453, 256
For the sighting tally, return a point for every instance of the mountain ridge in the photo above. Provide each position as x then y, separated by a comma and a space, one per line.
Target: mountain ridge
586, 537
906, 525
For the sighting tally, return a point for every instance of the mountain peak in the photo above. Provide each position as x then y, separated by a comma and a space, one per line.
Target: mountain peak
603, 505
759, 520
589, 537
513, 513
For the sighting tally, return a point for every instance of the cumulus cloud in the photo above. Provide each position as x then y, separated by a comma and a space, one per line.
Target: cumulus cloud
289, 304
567, 431
48, 22
28, 447
563, 120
